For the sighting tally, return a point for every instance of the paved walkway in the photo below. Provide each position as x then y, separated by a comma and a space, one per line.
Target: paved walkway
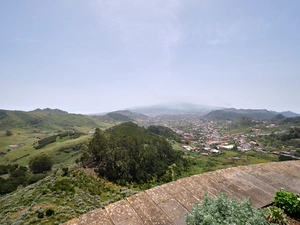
168, 204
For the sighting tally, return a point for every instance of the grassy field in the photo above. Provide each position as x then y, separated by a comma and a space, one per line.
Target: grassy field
19, 147
22, 155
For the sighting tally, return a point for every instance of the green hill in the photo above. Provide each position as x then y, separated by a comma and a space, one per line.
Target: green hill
126, 115
118, 116
165, 132
295, 121
20, 131
47, 119
233, 114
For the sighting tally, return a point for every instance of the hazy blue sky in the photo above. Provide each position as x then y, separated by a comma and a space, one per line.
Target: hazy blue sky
92, 56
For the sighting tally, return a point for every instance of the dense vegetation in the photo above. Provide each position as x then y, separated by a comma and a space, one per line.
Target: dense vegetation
19, 175
130, 153
51, 139
16, 175
295, 121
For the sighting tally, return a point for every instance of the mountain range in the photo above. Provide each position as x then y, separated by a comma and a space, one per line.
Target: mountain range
57, 119
233, 114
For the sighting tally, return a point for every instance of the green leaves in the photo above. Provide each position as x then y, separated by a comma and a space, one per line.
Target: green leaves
288, 201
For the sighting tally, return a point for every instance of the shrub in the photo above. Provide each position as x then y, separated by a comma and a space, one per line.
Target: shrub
8, 185
17, 173
46, 141
40, 164
288, 201
63, 184
40, 215
49, 212
65, 170
224, 211
276, 215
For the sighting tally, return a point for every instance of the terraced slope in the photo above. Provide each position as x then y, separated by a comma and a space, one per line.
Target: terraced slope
168, 204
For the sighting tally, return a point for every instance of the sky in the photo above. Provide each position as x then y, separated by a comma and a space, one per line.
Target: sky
97, 56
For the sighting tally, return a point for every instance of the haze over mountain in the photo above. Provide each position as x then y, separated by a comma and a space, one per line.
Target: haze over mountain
59, 119
102, 56
175, 108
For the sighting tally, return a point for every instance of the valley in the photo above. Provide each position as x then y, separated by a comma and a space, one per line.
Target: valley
100, 159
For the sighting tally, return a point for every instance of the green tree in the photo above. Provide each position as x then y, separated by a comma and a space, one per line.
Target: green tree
98, 146
8, 133
40, 164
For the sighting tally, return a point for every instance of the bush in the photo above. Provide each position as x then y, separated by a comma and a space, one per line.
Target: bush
63, 184
46, 141
40, 215
7, 186
24, 168
3, 169
276, 215
288, 201
40, 164
49, 212
17, 173
65, 170
224, 211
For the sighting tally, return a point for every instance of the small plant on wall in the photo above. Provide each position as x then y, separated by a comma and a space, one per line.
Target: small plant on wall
225, 211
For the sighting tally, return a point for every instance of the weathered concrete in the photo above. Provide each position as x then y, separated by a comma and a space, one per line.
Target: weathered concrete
169, 203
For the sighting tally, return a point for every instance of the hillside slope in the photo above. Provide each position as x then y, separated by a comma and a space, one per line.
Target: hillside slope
47, 119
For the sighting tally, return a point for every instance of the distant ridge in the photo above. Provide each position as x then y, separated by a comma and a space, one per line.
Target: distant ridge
119, 116
56, 111
233, 114
174, 108
289, 114
132, 115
